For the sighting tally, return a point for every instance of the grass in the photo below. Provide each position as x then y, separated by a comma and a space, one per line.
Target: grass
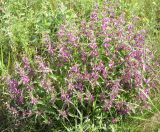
23, 23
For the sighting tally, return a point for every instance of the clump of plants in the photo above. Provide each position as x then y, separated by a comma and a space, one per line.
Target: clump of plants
95, 69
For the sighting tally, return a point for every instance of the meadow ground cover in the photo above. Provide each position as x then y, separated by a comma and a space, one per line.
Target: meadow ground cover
79, 65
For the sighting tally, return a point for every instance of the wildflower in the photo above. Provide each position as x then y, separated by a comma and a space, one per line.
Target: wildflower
98, 67
139, 38
137, 54
70, 86
46, 84
104, 23
89, 97
13, 86
111, 63
61, 32
130, 26
78, 85
94, 77
104, 73
65, 96
29, 87
127, 75
124, 47
26, 62
90, 35
74, 69
93, 45
83, 26
83, 56
63, 113
143, 94
94, 53
72, 38
33, 99
80, 97
20, 98
115, 90
107, 105
106, 45
107, 39
122, 108
93, 15
48, 43
42, 67
63, 52
137, 78
114, 120
25, 79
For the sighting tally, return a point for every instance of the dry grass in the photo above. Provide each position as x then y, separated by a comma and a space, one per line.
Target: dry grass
153, 124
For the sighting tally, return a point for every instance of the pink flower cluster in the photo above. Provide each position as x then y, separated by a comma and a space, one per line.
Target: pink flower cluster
100, 61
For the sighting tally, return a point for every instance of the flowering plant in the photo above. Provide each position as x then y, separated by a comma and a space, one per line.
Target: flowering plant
98, 66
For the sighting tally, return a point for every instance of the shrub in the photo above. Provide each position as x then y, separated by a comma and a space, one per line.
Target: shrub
96, 69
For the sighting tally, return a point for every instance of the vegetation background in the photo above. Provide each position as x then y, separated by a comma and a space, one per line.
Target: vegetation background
22, 23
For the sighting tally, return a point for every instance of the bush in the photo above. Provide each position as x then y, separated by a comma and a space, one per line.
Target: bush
95, 70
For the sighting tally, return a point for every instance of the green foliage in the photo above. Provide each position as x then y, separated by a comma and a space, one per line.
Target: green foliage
23, 23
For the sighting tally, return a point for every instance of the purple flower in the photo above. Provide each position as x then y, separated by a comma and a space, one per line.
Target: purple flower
20, 99
122, 108
127, 75
46, 84
94, 53
78, 85
107, 39
104, 23
70, 86
99, 67
74, 69
25, 79
13, 86
26, 62
94, 14
115, 90
16, 93
104, 73
93, 45
83, 56
111, 63
30, 88
130, 26
124, 47
63, 113
48, 43
20, 70
63, 52
65, 96
42, 67
137, 54
89, 97
61, 32
50, 49
137, 78
83, 26
94, 76
72, 38
106, 45
114, 120
107, 105
33, 99
143, 94
139, 38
